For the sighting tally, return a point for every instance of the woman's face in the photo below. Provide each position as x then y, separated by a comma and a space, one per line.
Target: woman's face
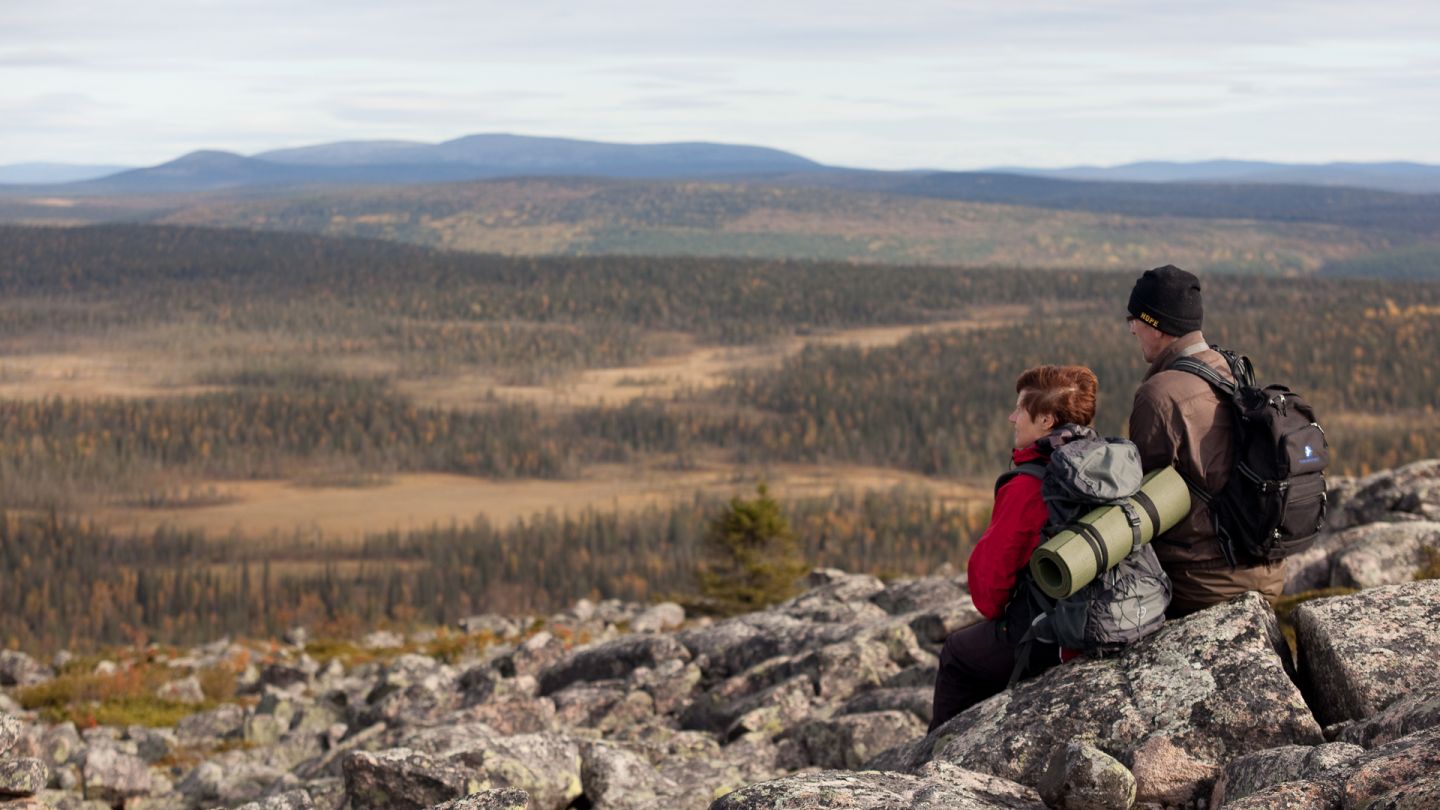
1028, 430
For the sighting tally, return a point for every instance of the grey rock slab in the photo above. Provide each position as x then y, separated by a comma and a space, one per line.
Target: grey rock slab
1383, 554
848, 741
924, 593
112, 776
1082, 777
874, 790
22, 777
1255, 772
1172, 708
1360, 653
406, 780
613, 659
493, 799
917, 700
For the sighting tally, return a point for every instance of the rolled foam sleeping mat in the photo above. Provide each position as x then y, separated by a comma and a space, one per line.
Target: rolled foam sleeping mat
1102, 538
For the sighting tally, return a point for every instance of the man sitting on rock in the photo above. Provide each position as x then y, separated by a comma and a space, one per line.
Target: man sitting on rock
1178, 419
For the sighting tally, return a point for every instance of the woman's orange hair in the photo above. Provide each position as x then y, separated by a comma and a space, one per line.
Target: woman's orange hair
1064, 392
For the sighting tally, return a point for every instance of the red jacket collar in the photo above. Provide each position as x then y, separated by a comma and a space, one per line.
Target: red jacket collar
1030, 452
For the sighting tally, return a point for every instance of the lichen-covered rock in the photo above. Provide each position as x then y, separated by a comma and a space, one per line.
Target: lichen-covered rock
1391, 766
609, 660
1359, 653
112, 776
659, 618
615, 778
585, 704
1412, 490
289, 800
22, 777
207, 728
59, 800
1295, 795
493, 799
835, 596
531, 657
944, 789
848, 741
1201, 691
1383, 554
735, 645
1082, 777
547, 766
1421, 794
403, 779
230, 778
9, 732
59, 744
492, 624
512, 714
19, 669
1405, 716
670, 686
1255, 772
151, 744
184, 690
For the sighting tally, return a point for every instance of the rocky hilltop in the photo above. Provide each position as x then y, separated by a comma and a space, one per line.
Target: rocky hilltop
820, 702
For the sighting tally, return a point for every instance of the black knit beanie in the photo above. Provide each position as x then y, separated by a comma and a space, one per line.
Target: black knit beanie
1168, 299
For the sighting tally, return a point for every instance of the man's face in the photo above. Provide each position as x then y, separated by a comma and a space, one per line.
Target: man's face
1152, 340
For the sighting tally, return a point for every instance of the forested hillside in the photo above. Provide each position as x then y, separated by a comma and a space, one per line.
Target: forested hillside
289, 358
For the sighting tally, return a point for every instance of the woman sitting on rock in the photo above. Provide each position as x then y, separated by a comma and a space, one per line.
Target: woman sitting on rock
977, 661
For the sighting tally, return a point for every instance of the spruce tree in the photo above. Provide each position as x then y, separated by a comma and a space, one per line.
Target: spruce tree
752, 558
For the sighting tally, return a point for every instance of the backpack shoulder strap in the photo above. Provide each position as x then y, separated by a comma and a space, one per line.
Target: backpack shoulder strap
1034, 469
1206, 373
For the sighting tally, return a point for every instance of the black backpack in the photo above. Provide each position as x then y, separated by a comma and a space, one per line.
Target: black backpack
1273, 504
1121, 605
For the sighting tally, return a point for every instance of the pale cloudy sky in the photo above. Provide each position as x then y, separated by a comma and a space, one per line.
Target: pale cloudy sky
901, 84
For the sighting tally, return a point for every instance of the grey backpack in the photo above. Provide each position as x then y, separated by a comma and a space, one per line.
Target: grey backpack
1126, 602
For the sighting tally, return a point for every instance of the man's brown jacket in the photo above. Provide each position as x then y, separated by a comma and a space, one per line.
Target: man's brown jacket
1179, 419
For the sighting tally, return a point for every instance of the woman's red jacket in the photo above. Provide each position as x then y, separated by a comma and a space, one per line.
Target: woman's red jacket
1009, 540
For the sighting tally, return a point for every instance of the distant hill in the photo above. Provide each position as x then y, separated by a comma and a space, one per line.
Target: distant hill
1415, 178
469, 158
503, 155
1392, 212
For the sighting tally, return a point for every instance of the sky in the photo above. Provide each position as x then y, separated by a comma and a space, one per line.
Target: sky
950, 84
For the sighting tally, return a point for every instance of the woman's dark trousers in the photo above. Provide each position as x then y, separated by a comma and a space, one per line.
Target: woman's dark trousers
977, 662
